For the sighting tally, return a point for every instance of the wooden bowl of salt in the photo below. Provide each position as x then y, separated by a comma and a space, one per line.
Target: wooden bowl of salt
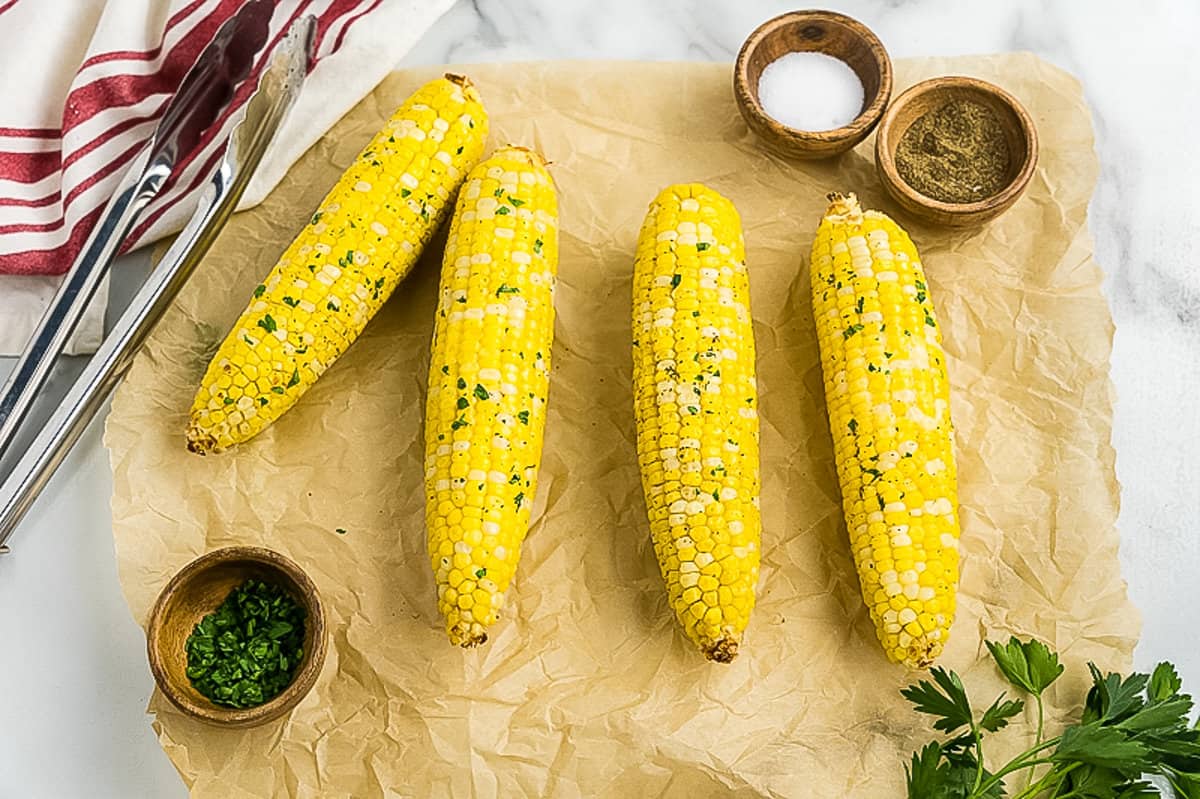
812, 84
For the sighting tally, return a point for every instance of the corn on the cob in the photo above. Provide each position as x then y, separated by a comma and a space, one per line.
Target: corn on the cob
695, 402
889, 411
489, 373
360, 243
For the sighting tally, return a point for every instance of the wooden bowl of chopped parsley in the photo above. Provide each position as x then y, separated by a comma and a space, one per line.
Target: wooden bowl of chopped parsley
237, 637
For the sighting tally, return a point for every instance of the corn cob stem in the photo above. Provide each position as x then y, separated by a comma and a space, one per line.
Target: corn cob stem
488, 381
695, 404
359, 244
888, 399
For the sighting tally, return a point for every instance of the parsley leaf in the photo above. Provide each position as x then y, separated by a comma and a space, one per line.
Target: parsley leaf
1185, 784
1164, 683
945, 698
1112, 698
1026, 664
1157, 716
928, 775
1100, 746
964, 769
996, 717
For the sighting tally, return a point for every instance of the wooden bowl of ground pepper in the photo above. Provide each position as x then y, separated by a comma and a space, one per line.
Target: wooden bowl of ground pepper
237, 637
956, 151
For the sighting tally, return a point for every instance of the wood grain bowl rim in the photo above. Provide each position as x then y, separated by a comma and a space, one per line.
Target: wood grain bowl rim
989, 206
852, 132
303, 590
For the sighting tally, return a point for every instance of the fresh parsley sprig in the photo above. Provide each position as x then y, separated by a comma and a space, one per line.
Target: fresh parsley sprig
1131, 728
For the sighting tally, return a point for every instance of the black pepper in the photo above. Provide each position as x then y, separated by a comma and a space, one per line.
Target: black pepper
957, 153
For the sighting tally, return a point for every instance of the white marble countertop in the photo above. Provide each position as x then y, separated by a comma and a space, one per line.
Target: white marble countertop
73, 676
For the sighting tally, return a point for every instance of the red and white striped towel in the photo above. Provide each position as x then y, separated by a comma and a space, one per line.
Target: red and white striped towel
83, 91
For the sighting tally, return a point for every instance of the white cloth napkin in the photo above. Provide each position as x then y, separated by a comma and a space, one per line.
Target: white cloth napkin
82, 91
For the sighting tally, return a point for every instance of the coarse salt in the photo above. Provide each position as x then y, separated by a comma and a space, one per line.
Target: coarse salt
810, 91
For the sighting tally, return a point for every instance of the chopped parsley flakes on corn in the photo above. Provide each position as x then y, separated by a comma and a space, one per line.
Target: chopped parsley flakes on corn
695, 402
359, 244
489, 376
888, 399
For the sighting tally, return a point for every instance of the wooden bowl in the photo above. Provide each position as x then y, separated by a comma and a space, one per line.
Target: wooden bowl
824, 32
929, 96
197, 590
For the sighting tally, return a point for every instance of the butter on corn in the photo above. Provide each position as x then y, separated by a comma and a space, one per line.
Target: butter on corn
695, 403
489, 375
888, 399
355, 249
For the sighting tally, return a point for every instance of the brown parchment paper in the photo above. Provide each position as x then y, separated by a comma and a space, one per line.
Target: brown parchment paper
588, 688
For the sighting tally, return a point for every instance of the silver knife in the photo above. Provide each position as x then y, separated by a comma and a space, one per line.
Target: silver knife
277, 89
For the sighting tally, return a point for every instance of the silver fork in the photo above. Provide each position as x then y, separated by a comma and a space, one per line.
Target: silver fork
209, 85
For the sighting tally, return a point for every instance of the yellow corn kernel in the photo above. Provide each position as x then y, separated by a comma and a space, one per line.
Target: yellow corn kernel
888, 399
695, 402
359, 244
489, 375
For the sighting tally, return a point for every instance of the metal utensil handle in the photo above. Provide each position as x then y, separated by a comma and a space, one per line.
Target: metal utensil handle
140, 185
248, 142
206, 89
109, 364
